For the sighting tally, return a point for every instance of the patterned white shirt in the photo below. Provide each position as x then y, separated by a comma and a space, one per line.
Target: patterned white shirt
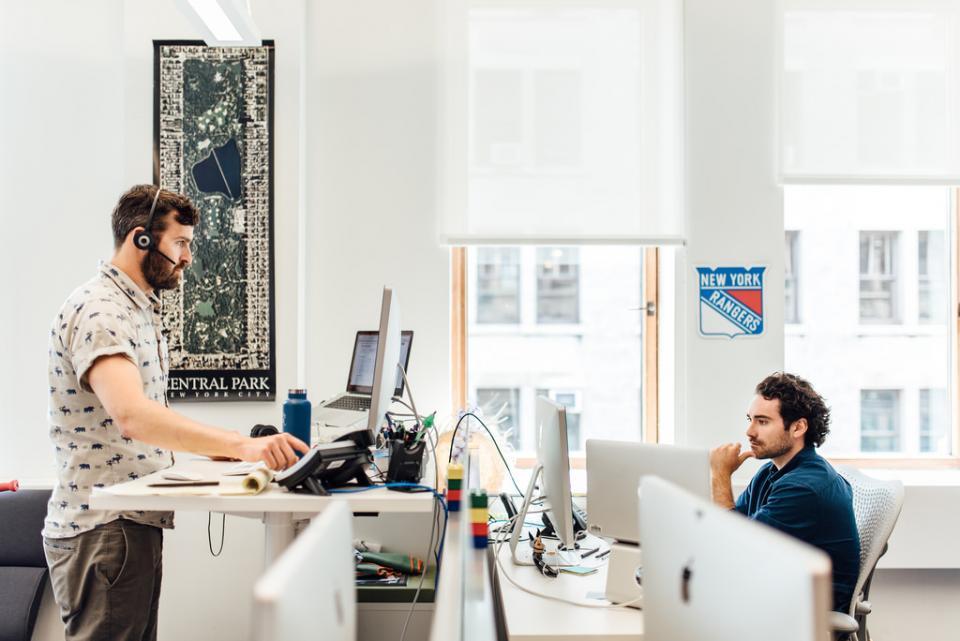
107, 315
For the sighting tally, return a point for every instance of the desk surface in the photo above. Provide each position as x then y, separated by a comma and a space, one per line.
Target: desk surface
135, 495
533, 618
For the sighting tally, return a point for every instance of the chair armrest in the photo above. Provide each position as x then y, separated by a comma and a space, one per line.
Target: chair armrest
840, 622
864, 607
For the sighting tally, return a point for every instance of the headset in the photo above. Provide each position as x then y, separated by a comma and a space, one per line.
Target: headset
259, 430
144, 239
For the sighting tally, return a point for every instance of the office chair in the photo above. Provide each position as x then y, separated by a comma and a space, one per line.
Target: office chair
23, 566
876, 507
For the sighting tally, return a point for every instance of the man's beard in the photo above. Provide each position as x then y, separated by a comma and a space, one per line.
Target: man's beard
159, 273
773, 451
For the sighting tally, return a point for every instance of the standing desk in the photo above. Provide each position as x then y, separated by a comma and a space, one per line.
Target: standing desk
277, 507
533, 618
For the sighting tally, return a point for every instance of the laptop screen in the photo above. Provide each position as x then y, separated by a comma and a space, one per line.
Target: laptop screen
365, 359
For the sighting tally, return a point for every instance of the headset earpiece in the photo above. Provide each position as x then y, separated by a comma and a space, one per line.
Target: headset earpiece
259, 430
143, 240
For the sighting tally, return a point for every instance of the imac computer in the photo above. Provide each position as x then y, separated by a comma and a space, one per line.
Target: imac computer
309, 591
614, 472
345, 460
713, 574
553, 471
387, 365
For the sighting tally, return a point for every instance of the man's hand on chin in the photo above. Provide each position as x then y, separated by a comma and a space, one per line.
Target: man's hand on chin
727, 459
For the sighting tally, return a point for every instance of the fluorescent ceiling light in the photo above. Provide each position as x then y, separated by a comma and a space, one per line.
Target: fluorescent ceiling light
216, 20
222, 23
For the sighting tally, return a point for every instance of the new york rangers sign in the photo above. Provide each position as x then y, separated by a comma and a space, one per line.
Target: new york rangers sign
731, 301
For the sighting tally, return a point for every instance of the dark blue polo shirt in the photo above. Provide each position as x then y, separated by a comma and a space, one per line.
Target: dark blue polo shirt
807, 499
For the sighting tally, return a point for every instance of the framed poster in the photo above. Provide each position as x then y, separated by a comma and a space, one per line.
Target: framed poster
213, 141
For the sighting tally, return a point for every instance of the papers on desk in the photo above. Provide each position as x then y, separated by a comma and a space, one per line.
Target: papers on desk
138, 489
244, 468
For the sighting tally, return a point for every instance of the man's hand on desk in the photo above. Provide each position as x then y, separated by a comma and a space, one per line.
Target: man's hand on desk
277, 451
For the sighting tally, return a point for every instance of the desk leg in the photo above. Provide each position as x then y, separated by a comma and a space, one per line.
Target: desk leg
278, 535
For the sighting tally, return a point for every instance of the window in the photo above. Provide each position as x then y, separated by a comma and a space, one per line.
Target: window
933, 421
579, 341
791, 285
880, 420
878, 276
501, 407
869, 253
931, 272
498, 285
558, 285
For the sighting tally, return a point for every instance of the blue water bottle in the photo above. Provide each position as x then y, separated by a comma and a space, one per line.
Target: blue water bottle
296, 415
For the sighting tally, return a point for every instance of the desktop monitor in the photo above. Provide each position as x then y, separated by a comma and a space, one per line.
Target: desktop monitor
388, 359
554, 458
309, 590
614, 471
710, 573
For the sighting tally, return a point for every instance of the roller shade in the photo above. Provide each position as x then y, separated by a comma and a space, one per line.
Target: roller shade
561, 123
868, 92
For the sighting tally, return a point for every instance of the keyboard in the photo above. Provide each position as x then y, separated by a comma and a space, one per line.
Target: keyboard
354, 403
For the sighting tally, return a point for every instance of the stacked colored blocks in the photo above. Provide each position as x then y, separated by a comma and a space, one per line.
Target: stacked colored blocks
479, 513
454, 486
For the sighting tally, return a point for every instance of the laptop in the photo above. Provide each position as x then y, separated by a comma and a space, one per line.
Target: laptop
349, 409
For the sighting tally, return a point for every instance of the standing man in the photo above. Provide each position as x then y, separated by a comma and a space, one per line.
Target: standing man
798, 492
109, 423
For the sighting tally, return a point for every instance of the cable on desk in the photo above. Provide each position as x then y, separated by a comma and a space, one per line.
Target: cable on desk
223, 533
484, 425
502, 571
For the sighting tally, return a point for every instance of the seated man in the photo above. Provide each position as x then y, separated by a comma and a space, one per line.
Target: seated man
798, 492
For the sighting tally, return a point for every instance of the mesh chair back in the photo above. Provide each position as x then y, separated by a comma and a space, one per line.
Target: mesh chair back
876, 507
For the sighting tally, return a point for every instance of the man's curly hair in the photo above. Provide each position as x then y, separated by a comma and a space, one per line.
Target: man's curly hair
798, 400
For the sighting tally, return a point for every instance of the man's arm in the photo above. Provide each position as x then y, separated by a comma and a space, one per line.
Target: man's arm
116, 382
724, 461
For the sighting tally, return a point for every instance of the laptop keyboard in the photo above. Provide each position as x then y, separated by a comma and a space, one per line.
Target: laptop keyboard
354, 403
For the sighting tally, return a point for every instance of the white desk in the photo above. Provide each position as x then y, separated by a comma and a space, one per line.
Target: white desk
277, 507
533, 618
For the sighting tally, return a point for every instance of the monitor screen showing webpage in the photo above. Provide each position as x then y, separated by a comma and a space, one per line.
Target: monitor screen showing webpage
365, 358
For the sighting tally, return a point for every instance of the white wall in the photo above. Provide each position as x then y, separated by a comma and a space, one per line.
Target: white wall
371, 140
734, 209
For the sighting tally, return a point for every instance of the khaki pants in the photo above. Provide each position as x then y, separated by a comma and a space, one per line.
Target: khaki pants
107, 581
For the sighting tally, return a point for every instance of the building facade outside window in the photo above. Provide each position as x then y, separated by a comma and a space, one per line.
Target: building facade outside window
880, 420
933, 421
878, 277
791, 273
558, 285
498, 285
931, 285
